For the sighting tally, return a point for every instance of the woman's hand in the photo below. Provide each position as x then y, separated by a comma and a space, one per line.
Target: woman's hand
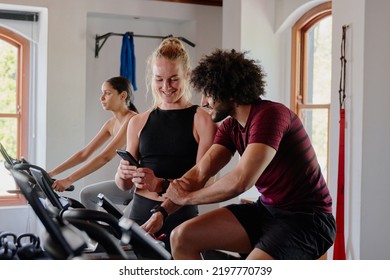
126, 171
154, 224
61, 185
51, 174
144, 178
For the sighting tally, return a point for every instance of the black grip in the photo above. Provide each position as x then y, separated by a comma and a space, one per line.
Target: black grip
70, 189
26, 166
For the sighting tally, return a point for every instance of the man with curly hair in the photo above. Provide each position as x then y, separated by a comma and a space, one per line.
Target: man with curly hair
292, 218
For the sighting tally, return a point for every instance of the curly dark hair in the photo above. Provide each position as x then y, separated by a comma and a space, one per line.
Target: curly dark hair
226, 75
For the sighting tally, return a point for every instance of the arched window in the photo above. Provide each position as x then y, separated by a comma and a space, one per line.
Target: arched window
14, 90
311, 76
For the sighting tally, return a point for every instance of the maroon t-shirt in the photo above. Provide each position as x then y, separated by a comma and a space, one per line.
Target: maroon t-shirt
293, 179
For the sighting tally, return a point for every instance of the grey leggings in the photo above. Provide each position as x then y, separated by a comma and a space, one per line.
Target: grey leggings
88, 195
140, 213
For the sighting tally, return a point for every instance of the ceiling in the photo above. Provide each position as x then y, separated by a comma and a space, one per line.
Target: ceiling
201, 2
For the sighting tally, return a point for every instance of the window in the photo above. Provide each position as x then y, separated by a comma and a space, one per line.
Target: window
311, 77
14, 89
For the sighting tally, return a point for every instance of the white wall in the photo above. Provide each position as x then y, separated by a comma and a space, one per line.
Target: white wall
27, 220
367, 102
375, 176
344, 15
238, 25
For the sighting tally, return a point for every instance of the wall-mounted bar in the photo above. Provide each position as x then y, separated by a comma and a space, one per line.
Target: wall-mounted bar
104, 37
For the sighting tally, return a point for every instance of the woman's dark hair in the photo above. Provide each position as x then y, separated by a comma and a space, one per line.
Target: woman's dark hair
226, 75
123, 84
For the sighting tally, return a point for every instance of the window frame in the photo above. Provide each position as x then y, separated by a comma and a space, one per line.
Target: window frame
22, 91
299, 62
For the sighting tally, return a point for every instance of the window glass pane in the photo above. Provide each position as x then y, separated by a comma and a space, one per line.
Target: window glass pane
8, 78
8, 135
8, 138
6, 180
319, 59
315, 122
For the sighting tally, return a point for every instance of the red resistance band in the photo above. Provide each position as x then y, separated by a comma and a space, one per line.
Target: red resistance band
339, 245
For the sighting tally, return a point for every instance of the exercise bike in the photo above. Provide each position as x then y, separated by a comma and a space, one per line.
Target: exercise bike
60, 240
69, 211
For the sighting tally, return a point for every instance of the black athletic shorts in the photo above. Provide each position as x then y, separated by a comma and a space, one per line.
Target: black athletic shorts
286, 235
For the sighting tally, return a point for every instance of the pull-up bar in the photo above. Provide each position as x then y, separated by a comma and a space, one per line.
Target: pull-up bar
104, 37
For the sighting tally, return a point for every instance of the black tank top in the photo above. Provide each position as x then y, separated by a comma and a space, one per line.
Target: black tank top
167, 143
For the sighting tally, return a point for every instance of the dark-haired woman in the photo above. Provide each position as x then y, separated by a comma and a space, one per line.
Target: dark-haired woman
116, 97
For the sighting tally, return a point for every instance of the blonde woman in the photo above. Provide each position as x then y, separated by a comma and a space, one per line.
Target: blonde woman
167, 139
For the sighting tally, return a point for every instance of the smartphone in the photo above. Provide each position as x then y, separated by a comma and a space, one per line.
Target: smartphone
127, 156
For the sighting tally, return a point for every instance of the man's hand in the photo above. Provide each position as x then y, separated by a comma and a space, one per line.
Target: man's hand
177, 191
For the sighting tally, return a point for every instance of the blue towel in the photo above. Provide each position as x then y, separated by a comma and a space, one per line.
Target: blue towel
128, 59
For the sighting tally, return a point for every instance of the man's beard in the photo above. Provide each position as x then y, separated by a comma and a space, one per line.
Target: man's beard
222, 111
